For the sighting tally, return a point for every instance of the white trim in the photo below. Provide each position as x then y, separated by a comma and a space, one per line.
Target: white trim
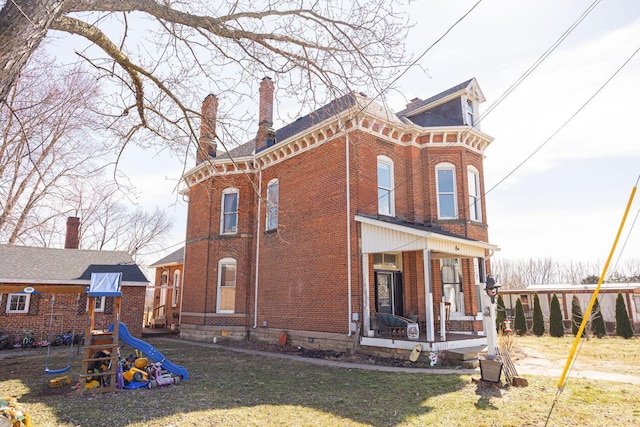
176, 288
444, 166
426, 238
275, 182
473, 173
226, 261
27, 303
225, 192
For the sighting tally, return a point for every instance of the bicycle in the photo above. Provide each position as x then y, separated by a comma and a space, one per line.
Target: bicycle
28, 339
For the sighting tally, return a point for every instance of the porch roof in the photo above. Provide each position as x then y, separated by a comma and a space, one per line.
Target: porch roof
391, 235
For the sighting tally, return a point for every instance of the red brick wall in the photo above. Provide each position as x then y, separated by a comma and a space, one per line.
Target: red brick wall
69, 315
303, 266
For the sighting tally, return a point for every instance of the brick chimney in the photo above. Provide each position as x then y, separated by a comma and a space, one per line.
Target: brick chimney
207, 144
266, 135
71, 240
413, 102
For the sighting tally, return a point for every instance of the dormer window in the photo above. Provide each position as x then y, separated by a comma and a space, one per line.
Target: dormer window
469, 113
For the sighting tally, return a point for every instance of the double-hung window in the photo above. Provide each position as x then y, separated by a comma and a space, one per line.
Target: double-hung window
469, 111
226, 286
176, 288
452, 284
18, 303
446, 183
229, 218
475, 201
386, 202
273, 189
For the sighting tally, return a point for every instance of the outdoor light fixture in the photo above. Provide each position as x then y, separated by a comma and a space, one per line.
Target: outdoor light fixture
491, 288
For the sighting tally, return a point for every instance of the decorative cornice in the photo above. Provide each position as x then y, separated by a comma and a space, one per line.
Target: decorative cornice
354, 118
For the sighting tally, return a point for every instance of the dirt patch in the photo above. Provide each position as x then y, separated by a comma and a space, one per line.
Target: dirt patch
332, 355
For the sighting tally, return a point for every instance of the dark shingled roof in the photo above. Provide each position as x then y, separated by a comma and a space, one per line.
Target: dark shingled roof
175, 257
130, 272
336, 106
447, 92
51, 265
321, 114
431, 119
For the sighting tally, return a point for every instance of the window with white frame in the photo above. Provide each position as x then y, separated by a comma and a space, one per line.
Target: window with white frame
229, 214
226, 286
273, 189
18, 303
98, 305
386, 202
452, 292
176, 288
470, 113
475, 201
446, 184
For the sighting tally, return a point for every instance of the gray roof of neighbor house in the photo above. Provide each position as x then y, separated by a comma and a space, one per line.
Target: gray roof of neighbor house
176, 257
24, 264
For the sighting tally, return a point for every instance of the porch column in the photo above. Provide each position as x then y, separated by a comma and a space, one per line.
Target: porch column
366, 313
489, 323
428, 295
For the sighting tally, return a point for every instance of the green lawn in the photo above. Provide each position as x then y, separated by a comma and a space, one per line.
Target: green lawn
231, 389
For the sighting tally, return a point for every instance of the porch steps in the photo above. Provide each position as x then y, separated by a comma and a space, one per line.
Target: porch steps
466, 357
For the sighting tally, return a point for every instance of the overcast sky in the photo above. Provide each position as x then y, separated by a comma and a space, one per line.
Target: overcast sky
567, 201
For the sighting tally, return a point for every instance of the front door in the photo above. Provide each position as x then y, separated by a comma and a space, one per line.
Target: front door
389, 292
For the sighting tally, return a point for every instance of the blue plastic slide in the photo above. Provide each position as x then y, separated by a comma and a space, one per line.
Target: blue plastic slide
150, 351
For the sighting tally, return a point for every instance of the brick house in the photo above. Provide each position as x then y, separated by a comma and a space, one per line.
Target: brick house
167, 290
350, 211
62, 276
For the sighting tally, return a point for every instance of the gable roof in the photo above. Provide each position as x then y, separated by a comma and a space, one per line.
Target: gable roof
24, 264
435, 98
175, 257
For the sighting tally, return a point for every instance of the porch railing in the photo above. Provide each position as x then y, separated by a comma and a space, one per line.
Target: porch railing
160, 311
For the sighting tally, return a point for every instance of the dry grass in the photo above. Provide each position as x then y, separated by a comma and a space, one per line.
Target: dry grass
231, 389
609, 354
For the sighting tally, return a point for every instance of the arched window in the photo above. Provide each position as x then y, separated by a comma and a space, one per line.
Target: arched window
446, 184
273, 189
176, 288
226, 286
386, 196
229, 211
475, 199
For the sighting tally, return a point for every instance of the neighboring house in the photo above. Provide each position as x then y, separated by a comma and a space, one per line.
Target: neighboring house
607, 296
62, 276
350, 211
167, 290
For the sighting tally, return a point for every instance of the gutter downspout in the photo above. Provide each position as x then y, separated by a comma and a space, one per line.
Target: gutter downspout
348, 183
255, 301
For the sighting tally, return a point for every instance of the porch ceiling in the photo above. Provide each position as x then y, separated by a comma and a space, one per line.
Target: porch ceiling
382, 236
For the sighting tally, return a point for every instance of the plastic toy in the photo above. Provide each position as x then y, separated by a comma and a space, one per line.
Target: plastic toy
161, 378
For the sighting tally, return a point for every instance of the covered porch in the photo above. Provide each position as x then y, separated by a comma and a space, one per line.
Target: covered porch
430, 276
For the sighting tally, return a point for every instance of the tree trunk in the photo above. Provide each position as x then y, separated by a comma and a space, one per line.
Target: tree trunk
23, 25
